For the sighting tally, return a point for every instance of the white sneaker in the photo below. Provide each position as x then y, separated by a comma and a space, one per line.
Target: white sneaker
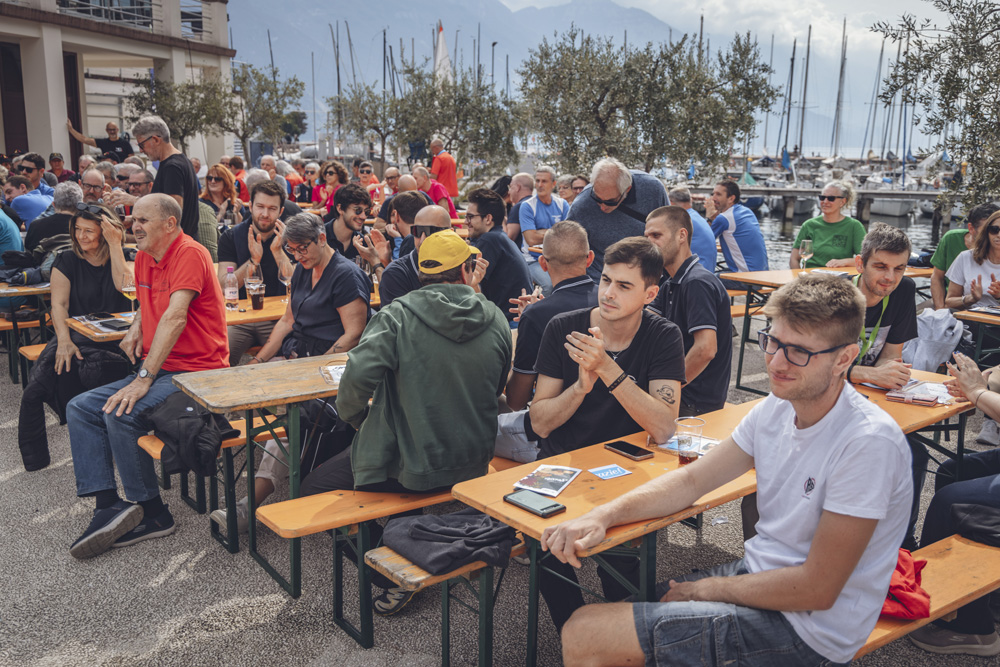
242, 517
989, 434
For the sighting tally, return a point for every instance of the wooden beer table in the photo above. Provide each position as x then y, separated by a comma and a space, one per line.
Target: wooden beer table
988, 325
39, 293
262, 388
588, 491
755, 297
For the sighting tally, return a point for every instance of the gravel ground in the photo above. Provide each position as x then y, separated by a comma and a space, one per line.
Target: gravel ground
184, 600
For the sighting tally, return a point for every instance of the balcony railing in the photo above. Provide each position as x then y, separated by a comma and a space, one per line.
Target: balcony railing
193, 23
144, 15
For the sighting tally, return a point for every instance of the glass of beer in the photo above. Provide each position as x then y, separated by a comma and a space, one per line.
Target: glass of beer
128, 289
688, 438
256, 293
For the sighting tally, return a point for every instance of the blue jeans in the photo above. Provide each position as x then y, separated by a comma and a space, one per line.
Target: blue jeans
980, 485
540, 277
100, 442
718, 633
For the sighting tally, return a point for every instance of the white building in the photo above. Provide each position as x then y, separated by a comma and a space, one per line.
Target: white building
74, 59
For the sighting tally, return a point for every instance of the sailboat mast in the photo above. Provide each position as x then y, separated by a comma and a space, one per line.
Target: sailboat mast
805, 87
788, 97
767, 114
835, 139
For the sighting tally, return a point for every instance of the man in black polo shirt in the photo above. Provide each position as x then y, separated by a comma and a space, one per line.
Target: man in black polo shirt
350, 206
604, 373
402, 276
694, 299
566, 256
255, 241
507, 273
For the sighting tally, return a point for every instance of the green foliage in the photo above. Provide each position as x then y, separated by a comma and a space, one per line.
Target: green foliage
366, 112
187, 108
589, 99
294, 124
257, 103
952, 76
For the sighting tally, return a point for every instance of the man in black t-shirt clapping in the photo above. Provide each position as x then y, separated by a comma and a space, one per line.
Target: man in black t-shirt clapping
604, 373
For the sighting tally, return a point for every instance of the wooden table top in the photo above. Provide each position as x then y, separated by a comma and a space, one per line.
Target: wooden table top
982, 318
260, 385
779, 277
915, 417
588, 491
6, 289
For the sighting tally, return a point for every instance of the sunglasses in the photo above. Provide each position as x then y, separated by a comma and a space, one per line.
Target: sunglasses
830, 198
424, 230
578, 190
83, 207
329, 173
993, 230
213, 179
310, 171
24, 169
607, 202
365, 171
130, 184
122, 177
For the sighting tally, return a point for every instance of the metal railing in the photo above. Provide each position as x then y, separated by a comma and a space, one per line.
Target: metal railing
193, 24
144, 15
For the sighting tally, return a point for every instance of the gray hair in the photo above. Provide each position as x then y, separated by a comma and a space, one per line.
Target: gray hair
255, 176
303, 228
883, 237
565, 179
680, 194
136, 160
66, 196
93, 170
128, 169
151, 126
846, 190
107, 169
147, 175
283, 168
610, 168
546, 170
312, 165
268, 157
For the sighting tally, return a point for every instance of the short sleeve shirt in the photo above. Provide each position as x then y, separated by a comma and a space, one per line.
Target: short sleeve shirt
703, 240
537, 215
514, 218
438, 192
203, 343
965, 269
507, 273
315, 308
952, 244
444, 166
350, 252
898, 324
567, 295
176, 176
121, 148
399, 278
655, 353
91, 288
234, 247
831, 240
694, 300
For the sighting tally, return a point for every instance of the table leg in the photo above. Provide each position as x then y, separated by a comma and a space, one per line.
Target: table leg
647, 568
231, 540
446, 623
533, 571
743, 343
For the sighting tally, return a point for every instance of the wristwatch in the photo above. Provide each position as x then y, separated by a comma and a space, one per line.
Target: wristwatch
143, 373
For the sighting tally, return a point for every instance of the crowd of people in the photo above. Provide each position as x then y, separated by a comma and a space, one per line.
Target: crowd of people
624, 325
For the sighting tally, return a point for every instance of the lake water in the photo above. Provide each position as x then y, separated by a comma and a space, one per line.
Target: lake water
779, 236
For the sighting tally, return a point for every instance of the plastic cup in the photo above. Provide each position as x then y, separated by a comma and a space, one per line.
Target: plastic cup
688, 432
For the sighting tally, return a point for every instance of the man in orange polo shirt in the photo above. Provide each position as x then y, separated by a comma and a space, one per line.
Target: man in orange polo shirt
443, 168
180, 327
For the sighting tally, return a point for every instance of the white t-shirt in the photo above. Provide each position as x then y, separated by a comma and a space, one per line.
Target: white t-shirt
964, 270
854, 461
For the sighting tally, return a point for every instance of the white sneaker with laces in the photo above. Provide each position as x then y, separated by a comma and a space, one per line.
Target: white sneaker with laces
989, 434
242, 517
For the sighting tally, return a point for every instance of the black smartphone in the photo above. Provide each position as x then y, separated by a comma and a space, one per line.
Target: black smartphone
117, 325
94, 317
535, 503
629, 451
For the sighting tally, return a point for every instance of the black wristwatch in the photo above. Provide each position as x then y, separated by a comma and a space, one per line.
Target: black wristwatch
143, 373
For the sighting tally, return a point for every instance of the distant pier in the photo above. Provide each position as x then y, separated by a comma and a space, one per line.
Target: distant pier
864, 203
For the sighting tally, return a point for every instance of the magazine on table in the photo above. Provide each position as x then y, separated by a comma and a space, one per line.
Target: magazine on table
989, 310
101, 324
922, 393
548, 480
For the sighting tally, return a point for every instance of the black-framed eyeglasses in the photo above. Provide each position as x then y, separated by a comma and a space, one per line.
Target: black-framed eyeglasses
92, 209
141, 143
424, 230
993, 230
131, 185
469, 216
298, 252
830, 198
91, 186
797, 356
607, 202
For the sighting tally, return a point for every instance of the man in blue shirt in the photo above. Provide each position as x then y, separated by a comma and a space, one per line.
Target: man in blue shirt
537, 214
702, 238
33, 199
738, 231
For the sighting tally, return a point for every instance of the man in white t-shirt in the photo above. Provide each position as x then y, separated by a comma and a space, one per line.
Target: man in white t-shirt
833, 485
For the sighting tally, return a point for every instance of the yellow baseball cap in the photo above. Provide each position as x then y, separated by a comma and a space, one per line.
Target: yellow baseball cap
442, 251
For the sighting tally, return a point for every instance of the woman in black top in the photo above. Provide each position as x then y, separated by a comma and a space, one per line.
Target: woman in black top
85, 280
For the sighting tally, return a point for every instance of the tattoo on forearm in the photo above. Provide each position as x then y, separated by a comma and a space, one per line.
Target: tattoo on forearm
666, 394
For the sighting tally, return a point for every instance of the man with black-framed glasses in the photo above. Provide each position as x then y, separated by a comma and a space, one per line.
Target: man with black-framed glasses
834, 489
614, 207
507, 275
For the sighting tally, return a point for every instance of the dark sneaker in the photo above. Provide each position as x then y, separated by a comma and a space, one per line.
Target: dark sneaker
107, 526
161, 526
392, 601
936, 639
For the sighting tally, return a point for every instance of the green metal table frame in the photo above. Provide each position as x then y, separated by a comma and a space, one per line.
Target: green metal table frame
984, 331
645, 592
753, 299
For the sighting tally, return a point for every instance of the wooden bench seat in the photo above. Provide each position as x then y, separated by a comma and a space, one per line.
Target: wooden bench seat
412, 577
958, 571
31, 352
737, 311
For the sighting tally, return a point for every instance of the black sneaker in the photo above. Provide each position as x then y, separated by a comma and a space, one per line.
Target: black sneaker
160, 526
107, 526
392, 601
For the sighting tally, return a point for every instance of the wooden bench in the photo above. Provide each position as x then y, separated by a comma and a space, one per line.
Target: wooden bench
12, 332
958, 571
412, 577
350, 515
29, 355
739, 310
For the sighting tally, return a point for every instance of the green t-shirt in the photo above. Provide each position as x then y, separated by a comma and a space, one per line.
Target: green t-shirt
831, 240
949, 247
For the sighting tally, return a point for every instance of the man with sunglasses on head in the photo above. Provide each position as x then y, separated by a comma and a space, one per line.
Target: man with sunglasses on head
34, 199
114, 143
738, 231
615, 206
256, 241
507, 275
833, 479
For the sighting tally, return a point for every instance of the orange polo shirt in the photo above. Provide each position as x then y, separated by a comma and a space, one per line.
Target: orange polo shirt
444, 166
203, 344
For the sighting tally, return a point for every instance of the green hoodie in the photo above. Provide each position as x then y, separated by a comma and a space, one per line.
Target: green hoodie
433, 362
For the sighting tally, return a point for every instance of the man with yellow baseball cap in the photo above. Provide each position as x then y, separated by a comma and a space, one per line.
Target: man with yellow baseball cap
433, 362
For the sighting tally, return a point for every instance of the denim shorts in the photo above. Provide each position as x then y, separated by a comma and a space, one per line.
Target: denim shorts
718, 633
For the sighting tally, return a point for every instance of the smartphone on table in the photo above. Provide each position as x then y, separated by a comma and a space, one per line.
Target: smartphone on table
535, 503
628, 450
